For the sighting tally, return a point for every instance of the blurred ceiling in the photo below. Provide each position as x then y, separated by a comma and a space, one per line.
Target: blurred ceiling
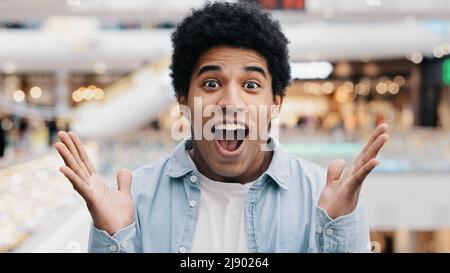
145, 11
71, 34
174, 10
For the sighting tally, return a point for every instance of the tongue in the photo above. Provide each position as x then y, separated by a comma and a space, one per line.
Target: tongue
230, 145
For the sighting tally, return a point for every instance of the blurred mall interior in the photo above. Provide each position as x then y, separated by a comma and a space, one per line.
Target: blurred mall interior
100, 68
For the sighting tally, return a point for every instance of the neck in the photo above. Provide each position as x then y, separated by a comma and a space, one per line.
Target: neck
259, 165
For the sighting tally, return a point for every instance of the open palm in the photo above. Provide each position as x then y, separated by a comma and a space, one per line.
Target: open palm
341, 193
110, 210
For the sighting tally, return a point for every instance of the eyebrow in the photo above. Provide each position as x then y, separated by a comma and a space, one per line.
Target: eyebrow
255, 69
207, 68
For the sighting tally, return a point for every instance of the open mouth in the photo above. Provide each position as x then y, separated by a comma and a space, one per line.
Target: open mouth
230, 136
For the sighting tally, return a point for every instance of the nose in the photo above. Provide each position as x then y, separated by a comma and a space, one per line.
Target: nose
231, 98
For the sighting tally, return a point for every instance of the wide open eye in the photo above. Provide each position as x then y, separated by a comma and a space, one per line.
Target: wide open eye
211, 84
251, 85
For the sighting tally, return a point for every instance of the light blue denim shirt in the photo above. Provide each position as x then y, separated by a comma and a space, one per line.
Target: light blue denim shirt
281, 211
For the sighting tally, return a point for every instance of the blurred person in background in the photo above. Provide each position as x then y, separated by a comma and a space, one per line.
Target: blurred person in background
23, 136
52, 131
227, 195
2, 139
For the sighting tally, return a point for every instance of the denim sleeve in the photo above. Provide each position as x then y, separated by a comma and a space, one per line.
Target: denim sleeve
124, 240
347, 233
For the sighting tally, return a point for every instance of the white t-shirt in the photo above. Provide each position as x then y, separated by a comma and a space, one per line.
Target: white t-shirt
221, 220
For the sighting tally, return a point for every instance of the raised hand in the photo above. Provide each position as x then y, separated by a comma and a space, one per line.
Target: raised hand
341, 193
110, 210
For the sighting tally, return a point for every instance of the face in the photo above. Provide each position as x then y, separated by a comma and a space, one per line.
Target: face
236, 83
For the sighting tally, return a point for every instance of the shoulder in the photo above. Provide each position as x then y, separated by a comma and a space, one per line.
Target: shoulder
151, 168
148, 176
304, 167
305, 175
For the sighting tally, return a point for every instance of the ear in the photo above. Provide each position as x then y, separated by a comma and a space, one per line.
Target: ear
278, 100
182, 100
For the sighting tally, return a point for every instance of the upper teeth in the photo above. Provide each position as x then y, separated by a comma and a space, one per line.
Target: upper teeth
230, 126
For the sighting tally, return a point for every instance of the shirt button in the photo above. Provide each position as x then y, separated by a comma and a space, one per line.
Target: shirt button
113, 248
124, 245
193, 178
329, 232
182, 249
192, 203
319, 229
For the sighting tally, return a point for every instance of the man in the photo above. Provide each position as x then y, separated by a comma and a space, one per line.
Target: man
224, 190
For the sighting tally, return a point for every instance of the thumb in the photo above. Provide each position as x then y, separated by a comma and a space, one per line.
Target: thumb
124, 180
335, 170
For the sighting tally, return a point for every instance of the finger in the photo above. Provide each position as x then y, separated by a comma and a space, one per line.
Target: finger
124, 178
69, 160
335, 170
82, 153
73, 150
74, 179
381, 129
358, 178
372, 152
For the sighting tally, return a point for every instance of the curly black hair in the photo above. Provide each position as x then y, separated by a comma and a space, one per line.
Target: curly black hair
238, 25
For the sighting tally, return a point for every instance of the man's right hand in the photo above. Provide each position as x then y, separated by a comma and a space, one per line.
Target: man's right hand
110, 210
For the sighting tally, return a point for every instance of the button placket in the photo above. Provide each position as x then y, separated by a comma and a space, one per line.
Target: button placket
319, 229
113, 248
329, 231
124, 244
193, 179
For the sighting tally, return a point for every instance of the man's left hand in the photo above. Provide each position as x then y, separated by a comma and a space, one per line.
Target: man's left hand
341, 193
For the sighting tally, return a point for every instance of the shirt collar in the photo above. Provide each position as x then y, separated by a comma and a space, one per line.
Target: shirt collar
279, 166
178, 163
278, 170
